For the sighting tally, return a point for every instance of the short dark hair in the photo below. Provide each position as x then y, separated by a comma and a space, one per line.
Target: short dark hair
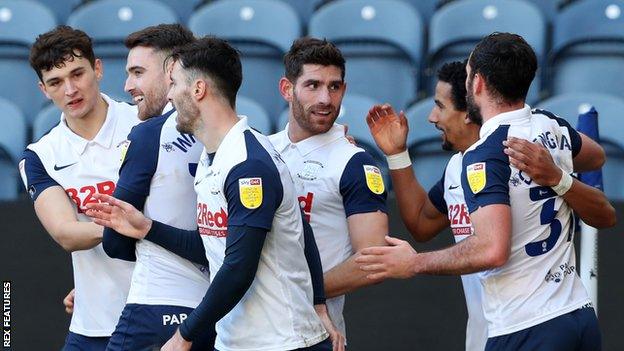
163, 37
216, 59
507, 63
308, 50
63, 43
454, 73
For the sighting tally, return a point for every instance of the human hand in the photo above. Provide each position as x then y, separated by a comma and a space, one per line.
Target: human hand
118, 215
394, 261
388, 129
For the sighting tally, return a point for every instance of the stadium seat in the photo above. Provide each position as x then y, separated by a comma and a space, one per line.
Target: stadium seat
458, 26
108, 22
12, 144
61, 8
282, 120
382, 43
588, 48
21, 21
305, 9
429, 162
262, 30
420, 130
183, 8
610, 110
426, 8
46, 119
256, 116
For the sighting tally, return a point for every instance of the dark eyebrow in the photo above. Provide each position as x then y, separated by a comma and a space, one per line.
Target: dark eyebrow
135, 68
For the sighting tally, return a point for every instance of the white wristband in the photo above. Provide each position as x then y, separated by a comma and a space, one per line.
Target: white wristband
564, 184
399, 161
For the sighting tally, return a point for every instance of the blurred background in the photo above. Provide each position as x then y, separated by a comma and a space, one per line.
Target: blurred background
393, 49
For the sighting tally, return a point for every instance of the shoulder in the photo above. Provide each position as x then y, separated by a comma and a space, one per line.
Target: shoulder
489, 147
149, 129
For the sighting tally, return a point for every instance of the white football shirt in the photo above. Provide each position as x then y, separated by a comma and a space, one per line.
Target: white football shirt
83, 168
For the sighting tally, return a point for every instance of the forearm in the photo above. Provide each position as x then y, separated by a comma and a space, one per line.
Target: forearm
184, 243
229, 285
411, 198
345, 278
76, 236
591, 205
467, 256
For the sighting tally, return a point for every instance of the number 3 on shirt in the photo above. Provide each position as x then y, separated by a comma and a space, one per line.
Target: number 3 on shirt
547, 216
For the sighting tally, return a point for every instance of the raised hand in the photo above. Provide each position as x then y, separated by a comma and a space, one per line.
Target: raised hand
119, 216
388, 129
394, 261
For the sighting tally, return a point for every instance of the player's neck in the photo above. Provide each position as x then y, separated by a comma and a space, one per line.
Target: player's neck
90, 124
491, 110
216, 121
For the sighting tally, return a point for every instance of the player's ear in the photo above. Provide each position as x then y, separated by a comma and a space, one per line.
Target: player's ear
98, 68
467, 119
286, 89
43, 90
199, 89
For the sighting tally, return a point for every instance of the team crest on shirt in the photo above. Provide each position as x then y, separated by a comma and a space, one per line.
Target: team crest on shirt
476, 176
124, 149
250, 190
374, 180
310, 170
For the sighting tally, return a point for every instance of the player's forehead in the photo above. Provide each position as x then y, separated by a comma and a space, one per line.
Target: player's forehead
319, 72
144, 57
443, 91
70, 64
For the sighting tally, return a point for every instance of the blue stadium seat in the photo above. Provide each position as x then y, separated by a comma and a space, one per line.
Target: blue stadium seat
21, 21
12, 144
420, 130
588, 48
426, 8
429, 162
61, 8
262, 30
305, 9
183, 8
610, 111
256, 115
46, 119
108, 22
382, 42
458, 26
282, 120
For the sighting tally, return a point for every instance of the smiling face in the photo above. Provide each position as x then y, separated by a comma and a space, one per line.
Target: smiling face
316, 98
147, 81
73, 87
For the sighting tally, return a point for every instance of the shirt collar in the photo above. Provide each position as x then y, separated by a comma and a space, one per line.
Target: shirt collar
104, 137
230, 137
504, 118
312, 143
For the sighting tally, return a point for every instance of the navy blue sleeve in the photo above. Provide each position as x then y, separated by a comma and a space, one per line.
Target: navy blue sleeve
486, 172
362, 187
37, 178
313, 259
184, 243
141, 157
576, 142
242, 255
436, 195
254, 192
114, 244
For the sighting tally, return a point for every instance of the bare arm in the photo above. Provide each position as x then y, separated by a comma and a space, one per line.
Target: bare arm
418, 214
589, 203
590, 157
56, 213
488, 248
365, 230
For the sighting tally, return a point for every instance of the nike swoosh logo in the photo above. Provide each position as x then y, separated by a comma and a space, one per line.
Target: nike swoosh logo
57, 168
453, 187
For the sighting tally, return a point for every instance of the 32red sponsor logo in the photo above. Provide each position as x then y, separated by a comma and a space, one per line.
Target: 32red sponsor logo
211, 223
84, 195
460, 219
